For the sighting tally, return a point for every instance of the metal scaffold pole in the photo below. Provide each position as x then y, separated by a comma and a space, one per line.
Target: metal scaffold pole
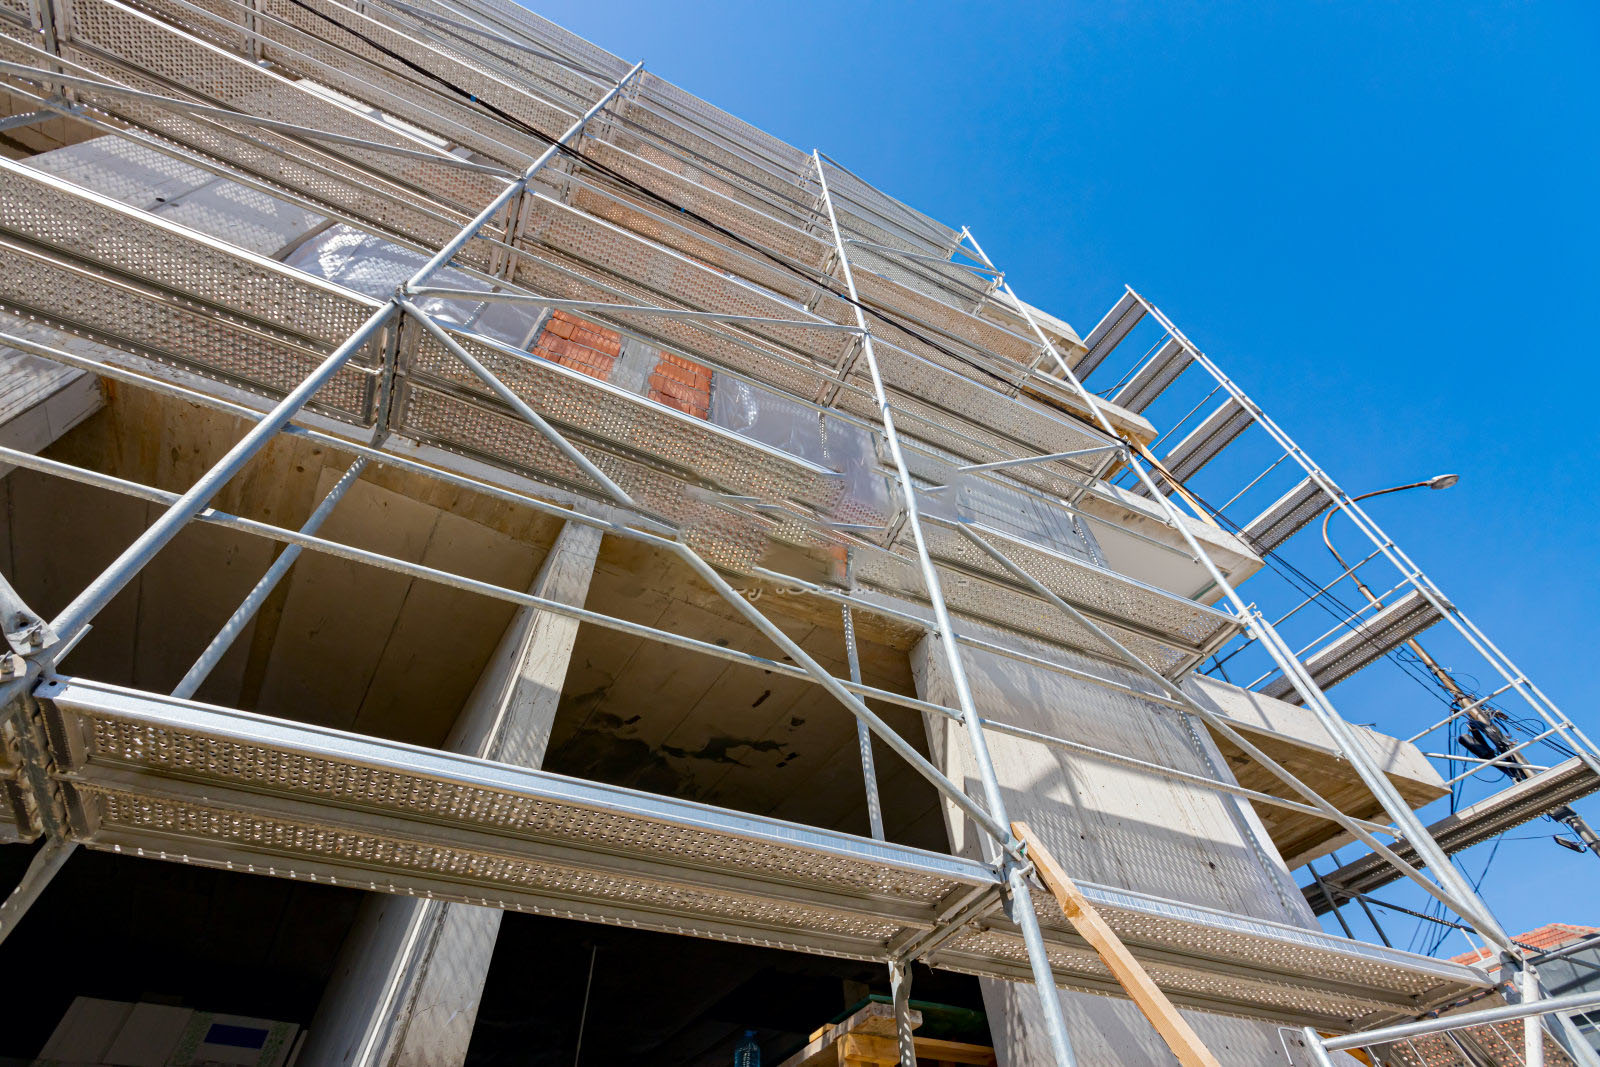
1412, 574
1464, 898
73, 621
1020, 908
1459, 893
510, 281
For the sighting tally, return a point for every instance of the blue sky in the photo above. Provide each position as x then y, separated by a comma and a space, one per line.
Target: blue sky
1379, 217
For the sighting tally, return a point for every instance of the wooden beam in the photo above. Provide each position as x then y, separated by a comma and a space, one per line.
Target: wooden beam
1173, 1028
874, 1049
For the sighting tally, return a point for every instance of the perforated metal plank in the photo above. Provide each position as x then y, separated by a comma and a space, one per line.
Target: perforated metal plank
1365, 640
323, 41
1102, 594
18, 817
235, 27
560, 229
1518, 803
261, 154
201, 68
795, 207
56, 215
718, 345
1251, 966
939, 395
696, 126
784, 157
1286, 516
1160, 371
92, 266
550, 71
1108, 334
725, 207
933, 392
977, 596
946, 281
1498, 1045
1203, 444
557, 38
935, 237
182, 781
626, 208
773, 180
726, 536
158, 324
278, 794
654, 431
961, 327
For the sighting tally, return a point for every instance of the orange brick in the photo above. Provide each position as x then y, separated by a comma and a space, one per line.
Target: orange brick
559, 327
677, 390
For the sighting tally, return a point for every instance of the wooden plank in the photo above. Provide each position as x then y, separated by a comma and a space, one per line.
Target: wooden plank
873, 1019
1173, 1028
873, 1049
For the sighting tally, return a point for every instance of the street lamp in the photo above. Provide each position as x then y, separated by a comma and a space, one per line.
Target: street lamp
1438, 481
1481, 714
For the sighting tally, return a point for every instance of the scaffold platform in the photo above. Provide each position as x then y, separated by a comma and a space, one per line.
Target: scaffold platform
177, 780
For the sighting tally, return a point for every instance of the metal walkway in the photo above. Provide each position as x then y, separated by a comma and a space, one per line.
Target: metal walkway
160, 777
1504, 810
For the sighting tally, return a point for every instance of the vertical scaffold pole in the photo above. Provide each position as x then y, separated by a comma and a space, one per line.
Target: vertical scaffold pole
1413, 574
1476, 912
74, 619
1021, 895
110, 581
869, 771
1466, 899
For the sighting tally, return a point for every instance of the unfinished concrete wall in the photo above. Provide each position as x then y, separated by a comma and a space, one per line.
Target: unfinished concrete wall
1111, 826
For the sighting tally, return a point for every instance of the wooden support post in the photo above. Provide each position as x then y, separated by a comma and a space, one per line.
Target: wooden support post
1173, 1028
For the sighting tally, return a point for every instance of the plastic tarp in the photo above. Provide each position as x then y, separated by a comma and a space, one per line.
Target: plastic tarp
801, 430
374, 267
153, 181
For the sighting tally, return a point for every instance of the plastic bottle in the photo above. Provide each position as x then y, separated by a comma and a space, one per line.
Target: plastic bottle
748, 1054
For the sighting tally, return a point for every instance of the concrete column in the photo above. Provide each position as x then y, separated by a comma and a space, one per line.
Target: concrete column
1111, 826
406, 987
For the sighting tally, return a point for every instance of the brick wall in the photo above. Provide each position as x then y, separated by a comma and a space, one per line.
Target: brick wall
583, 346
682, 384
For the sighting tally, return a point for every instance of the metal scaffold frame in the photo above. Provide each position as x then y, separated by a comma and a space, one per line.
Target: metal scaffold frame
1411, 573
863, 324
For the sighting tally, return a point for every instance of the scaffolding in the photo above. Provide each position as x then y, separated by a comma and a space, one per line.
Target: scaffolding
916, 428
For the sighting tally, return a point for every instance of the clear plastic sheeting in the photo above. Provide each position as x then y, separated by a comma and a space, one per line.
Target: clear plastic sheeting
765, 416
991, 501
374, 267
801, 430
156, 182
1025, 515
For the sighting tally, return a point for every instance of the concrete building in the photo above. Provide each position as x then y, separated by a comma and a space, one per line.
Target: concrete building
506, 562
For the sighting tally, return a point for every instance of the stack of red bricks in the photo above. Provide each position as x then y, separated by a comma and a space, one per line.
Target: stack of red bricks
683, 384
583, 346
